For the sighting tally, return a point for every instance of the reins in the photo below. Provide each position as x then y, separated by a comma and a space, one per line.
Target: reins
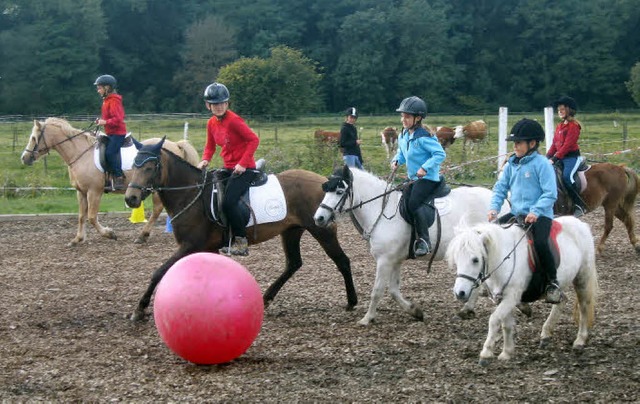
67, 139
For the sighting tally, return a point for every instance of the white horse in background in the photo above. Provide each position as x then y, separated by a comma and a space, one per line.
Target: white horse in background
375, 212
498, 257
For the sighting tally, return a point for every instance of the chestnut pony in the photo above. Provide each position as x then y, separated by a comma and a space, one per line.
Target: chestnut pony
185, 190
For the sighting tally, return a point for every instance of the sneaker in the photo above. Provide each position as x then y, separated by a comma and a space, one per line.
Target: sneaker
421, 247
240, 246
553, 293
578, 211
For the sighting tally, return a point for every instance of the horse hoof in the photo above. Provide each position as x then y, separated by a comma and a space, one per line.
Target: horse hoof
141, 240
137, 316
578, 348
484, 362
467, 314
545, 342
418, 315
350, 307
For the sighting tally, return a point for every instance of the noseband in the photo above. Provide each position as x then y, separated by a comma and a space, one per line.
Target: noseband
348, 191
139, 162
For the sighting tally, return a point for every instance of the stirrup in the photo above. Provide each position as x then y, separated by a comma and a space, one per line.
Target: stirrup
578, 211
553, 294
421, 247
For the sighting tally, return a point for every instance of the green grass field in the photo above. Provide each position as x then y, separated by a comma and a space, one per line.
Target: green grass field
289, 144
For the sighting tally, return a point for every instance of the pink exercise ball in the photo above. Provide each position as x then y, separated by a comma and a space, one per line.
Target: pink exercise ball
208, 308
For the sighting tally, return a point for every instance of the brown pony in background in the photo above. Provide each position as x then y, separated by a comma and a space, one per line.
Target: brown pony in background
615, 188
327, 137
76, 146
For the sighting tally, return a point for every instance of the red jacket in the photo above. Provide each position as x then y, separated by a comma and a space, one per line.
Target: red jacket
565, 140
237, 140
113, 113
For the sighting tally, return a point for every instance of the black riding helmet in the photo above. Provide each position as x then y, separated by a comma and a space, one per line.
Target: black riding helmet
567, 102
106, 80
351, 111
526, 129
414, 106
215, 93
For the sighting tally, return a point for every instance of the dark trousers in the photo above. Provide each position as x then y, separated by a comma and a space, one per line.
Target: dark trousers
112, 154
418, 192
237, 185
541, 230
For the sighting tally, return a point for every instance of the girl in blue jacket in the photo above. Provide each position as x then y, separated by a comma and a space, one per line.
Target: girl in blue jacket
423, 155
532, 182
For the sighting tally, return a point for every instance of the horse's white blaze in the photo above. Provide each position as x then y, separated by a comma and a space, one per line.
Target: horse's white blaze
390, 237
509, 278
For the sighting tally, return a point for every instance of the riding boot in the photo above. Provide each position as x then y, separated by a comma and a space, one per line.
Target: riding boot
579, 207
553, 294
422, 245
119, 183
239, 246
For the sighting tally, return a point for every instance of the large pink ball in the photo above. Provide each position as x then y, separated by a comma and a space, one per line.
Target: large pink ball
208, 308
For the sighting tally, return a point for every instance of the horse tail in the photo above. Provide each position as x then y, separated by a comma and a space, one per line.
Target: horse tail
189, 153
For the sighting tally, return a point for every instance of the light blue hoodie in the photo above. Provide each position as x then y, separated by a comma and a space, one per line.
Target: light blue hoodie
420, 149
532, 182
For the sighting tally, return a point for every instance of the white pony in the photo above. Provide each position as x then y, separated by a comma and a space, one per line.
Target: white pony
498, 257
374, 209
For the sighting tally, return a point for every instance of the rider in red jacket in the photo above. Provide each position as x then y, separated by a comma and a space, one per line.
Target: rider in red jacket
113, 121
239, 143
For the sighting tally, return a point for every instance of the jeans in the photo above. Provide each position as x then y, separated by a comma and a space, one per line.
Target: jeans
352, 161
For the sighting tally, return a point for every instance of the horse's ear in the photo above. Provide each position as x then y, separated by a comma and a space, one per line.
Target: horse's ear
162, 140
346, 173
137, 144
158, 146
36, 123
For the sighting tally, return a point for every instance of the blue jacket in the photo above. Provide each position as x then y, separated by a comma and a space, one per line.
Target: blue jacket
420, 149
532, 182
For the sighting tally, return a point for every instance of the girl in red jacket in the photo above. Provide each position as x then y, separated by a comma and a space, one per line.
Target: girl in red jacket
239, 143
114, 126
565, 149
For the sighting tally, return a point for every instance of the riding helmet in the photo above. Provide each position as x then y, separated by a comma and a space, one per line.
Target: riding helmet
215, 93
567, 102
351, 111
526, 129
106, 80
414, 106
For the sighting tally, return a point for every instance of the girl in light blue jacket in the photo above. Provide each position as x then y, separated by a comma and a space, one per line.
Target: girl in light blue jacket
423, 155
532, 182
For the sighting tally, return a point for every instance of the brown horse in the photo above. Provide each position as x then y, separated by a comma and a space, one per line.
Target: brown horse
615, 188
327, 137
76, 148
186, 192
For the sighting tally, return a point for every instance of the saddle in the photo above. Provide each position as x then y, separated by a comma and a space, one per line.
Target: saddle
441, 191
564, 204
536, 288
101, 145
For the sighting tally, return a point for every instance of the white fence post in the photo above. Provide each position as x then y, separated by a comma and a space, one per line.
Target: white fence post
186, 131
502, 136
548, 127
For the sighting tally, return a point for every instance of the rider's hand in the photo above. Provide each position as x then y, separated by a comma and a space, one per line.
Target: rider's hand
531, 218
492, 215
394, 165
238, 169
203, 164
421, 173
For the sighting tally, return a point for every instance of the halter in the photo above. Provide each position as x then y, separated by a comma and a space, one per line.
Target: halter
36, 152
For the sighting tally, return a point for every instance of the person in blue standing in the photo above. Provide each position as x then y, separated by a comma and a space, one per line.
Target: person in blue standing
422, 153
532, 183
349, 142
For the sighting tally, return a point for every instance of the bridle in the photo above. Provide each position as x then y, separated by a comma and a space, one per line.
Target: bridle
36, 151
485, 273
150, 156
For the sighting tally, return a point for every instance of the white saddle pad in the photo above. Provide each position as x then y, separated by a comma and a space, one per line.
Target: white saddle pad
443, 205
127, 155
268, 202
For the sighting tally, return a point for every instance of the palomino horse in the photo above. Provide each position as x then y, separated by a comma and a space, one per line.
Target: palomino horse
374, 211
615, 188
498, 257
185, 192
76, 148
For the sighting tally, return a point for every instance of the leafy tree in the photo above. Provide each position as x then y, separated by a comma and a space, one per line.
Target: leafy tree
209, 45
286, 83
49, 59
633, 85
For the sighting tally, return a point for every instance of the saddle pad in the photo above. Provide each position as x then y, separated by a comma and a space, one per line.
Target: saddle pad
127, 155
443, 205
267, 202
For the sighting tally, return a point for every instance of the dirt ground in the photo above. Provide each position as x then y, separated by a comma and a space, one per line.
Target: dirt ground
65, 335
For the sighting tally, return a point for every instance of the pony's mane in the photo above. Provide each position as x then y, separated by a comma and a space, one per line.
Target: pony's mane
469, 238
65, 126
180, 159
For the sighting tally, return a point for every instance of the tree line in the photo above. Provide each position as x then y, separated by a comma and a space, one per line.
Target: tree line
294, 56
